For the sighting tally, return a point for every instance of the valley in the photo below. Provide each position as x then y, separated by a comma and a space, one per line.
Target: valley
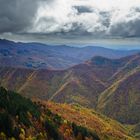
108, 86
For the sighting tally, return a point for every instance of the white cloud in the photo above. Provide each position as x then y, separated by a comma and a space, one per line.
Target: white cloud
104, 17
71, 17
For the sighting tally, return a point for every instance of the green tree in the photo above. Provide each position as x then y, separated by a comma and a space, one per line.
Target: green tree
52, 129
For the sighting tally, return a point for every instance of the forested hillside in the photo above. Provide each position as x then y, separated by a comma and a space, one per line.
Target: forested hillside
110, 86
20, 118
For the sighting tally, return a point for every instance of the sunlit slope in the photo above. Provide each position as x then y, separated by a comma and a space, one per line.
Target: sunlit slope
107, 129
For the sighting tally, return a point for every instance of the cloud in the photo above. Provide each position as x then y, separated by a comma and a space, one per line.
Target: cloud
89, 18
18, 15
71, 17
83, 9
125, 24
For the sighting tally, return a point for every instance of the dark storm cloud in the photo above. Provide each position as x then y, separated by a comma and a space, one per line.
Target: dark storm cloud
17, 15
127, 29
129, 26
66, 19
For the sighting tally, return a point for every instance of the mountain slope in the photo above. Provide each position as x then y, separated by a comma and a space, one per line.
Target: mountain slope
110, 86
20, 118
82, 83
51, 85
121, 100
104, 127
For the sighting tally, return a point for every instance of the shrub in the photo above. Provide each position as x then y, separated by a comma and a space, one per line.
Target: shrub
79, 130
16, 105
6, 124
52, 129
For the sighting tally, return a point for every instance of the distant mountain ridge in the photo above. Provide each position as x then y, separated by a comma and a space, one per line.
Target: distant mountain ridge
42, 56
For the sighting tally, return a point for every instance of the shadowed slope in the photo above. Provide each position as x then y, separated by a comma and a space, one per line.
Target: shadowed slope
121, 100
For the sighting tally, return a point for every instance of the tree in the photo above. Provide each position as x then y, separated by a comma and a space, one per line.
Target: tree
52, 129
6, 124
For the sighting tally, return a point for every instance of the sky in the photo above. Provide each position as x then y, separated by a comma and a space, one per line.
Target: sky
71, 21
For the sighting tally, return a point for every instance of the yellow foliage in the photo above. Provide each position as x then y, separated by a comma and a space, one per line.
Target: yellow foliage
12, 138
30, 138
22, 131
29, 114
2, 136
21, 136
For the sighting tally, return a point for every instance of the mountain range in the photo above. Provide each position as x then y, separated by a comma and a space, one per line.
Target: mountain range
110, 86
38, 56
100, 79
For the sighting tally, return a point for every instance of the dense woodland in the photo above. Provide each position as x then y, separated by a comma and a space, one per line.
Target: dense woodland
22, 119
